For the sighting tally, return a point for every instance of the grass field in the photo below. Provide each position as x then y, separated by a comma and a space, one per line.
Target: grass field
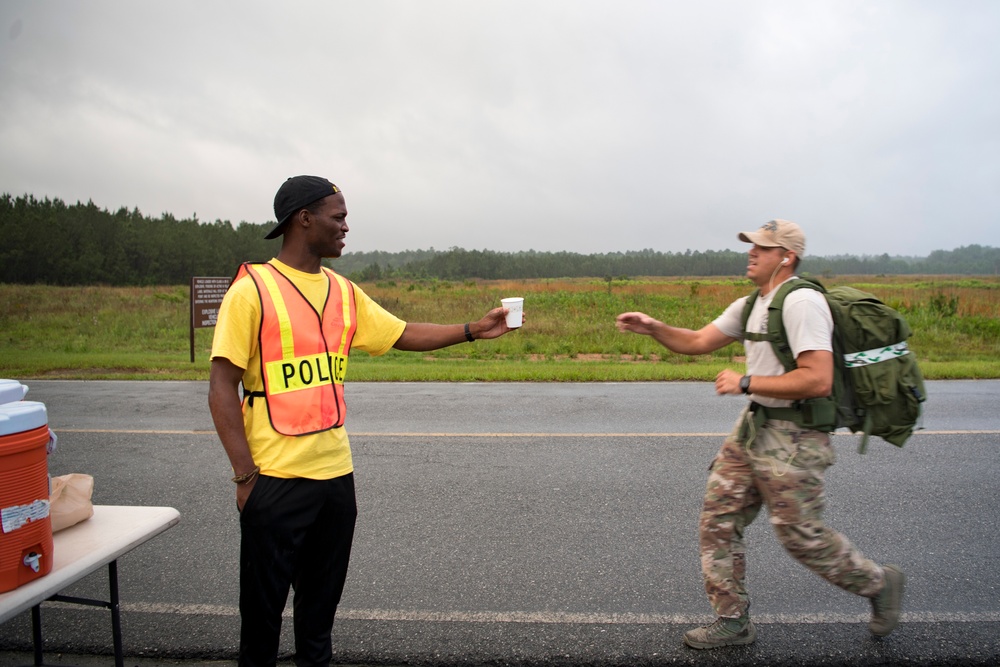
99, 332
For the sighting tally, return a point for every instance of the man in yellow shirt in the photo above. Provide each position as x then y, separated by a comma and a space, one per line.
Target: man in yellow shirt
285, 330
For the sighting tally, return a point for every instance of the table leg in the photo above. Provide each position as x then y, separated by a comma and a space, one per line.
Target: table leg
36, 632
116, 620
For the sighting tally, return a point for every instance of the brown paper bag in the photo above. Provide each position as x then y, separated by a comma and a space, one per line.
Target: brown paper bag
69, 501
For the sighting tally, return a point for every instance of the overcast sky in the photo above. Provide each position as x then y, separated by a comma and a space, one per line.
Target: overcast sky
588, 126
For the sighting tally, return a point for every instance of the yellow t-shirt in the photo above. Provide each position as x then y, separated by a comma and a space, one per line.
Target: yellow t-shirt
323, 455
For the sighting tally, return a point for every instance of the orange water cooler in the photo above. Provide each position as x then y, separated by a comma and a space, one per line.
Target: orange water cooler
25, 526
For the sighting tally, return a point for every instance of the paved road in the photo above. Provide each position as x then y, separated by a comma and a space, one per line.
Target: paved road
537, 524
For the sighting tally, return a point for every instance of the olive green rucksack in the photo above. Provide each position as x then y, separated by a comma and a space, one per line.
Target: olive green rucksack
878, 387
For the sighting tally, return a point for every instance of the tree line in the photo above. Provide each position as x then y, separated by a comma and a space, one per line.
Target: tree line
48, 241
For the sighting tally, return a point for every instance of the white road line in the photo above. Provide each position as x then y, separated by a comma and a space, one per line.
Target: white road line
542, 617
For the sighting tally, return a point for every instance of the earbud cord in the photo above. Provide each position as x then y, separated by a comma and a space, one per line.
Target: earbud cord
770, 283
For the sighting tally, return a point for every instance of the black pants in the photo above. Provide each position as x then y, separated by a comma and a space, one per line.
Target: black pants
294, 532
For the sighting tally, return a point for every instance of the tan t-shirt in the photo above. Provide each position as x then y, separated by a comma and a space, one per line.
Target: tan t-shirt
808, 323
323, 455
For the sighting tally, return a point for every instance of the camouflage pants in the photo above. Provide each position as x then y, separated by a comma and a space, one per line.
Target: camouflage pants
783, 468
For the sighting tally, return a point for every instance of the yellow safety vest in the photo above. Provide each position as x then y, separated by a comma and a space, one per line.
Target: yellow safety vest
303, 354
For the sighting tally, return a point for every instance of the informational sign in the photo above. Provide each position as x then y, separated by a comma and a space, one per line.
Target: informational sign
206, 297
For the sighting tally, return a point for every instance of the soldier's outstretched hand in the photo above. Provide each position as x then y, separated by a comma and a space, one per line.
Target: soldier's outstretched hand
639, 323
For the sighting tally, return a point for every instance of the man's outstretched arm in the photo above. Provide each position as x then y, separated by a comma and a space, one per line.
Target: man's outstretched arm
423, 337
682, 341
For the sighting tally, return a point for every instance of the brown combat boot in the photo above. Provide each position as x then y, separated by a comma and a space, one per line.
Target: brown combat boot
723, 632
887, 604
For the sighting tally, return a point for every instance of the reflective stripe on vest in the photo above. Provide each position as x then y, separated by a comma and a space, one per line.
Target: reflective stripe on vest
303, 356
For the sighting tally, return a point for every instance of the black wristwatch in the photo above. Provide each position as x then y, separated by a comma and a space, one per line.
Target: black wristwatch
745, 384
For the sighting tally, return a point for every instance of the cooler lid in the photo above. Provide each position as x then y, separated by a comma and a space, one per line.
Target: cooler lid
11, 390
22, 416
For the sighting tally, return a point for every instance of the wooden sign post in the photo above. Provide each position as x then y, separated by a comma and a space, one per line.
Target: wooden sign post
206, 297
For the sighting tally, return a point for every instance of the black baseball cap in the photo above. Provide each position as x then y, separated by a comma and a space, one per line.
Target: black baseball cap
295, 194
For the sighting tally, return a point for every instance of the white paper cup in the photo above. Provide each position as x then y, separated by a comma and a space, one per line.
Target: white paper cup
514, 306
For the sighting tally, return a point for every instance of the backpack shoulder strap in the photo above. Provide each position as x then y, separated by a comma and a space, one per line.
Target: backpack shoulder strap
747, 307
776, 334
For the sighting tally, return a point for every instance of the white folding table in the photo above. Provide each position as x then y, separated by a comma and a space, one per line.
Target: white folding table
79, 550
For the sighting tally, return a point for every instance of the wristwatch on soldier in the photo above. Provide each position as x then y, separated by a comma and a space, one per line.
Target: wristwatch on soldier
745, 384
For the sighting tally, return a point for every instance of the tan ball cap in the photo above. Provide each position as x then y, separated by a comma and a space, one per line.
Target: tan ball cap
778, 234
